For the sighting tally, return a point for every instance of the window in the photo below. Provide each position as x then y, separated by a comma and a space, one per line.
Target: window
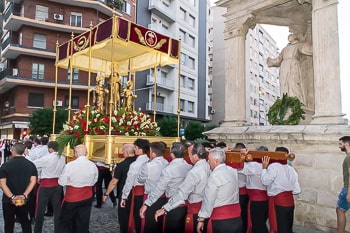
41, 12
191, 63
39, 41
192, 41
182, 14
182, 35
182, 80
190, 106
190, 83
75, 102
36, 100
75, 74
192, 20
76, 19
126, 7
38, 71
183, 59
182, 104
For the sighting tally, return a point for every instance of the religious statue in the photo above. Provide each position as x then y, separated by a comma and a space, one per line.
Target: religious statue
290, 71
129, 96
100, 93
115, 85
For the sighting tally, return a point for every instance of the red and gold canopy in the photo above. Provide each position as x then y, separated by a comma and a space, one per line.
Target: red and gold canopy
131, 46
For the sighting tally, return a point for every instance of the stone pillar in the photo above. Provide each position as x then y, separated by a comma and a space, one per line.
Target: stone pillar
326, 63
235, 71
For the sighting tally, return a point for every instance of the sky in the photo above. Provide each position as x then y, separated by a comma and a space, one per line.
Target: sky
280, 35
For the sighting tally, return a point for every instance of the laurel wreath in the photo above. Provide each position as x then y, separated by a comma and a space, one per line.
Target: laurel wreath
277, 112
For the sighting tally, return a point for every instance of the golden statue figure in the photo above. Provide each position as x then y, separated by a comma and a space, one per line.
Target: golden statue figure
115, 85
100, 93
129, 96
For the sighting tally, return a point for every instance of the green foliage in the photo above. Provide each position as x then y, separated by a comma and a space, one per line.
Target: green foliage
194, 130
168, 126
117, 4
40, 123
278, 111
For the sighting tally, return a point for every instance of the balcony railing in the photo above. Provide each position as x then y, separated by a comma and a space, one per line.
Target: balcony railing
160, 107
161, 82
164, 11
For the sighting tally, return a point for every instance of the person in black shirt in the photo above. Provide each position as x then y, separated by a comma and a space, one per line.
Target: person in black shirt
119, 178
17, 179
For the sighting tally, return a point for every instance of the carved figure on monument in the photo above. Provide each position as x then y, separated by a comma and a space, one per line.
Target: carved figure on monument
115, 87
100, 93
290, 71
129, 96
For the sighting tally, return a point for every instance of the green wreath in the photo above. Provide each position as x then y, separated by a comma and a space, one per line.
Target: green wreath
277, 112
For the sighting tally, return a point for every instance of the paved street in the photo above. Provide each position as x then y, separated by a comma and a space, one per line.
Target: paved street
104, 220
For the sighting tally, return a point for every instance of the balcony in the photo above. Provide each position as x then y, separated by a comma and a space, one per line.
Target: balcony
161, 82
159, 8
160, 108
158, 28
11, 50
14, 19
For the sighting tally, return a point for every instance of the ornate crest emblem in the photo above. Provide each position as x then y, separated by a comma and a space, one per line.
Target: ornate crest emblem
151, 38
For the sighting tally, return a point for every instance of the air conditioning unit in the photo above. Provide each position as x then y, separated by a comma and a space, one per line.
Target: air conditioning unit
212, 111
58, 17
58, 103
14, 72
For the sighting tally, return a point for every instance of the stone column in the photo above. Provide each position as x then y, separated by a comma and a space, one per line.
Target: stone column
326, 63
235, 71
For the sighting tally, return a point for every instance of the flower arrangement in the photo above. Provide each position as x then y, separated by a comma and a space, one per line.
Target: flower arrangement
127, 123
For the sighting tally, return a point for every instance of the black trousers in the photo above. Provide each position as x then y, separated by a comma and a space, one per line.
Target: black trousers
285, 218
138, 202
46, 195
232, 225
151, 226
75, 216
104, 177
243, 202
123, 215
10, 211
259, 215
175, 220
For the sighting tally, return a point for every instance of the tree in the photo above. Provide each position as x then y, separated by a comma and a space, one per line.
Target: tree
194, 130
168, 126
40, 123
117, 4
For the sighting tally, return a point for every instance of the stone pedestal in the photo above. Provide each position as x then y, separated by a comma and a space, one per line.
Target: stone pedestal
318, 162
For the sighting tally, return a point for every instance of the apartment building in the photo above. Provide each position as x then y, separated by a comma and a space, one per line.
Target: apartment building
186, 20
31, 30
262, 82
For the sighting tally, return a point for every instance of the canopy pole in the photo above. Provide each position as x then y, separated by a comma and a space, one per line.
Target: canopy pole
178, 93
87, 106
155, 93
56, 83
70, 77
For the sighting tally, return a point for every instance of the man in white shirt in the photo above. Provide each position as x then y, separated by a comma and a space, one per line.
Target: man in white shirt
51, 167
79, 177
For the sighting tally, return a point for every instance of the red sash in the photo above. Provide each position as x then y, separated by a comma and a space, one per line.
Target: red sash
74, 194
192, 209
254, 195
224, 212
282, 199
49, 182
243, 191
136, 191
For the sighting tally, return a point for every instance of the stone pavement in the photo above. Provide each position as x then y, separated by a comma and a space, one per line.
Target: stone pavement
105, 220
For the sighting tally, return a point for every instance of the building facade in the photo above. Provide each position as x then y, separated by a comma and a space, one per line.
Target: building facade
261, 81
186, 20
31, 31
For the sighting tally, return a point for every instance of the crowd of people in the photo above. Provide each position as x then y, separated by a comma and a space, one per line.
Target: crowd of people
154, 192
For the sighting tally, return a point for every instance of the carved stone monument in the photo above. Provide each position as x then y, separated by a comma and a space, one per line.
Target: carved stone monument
318, 159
